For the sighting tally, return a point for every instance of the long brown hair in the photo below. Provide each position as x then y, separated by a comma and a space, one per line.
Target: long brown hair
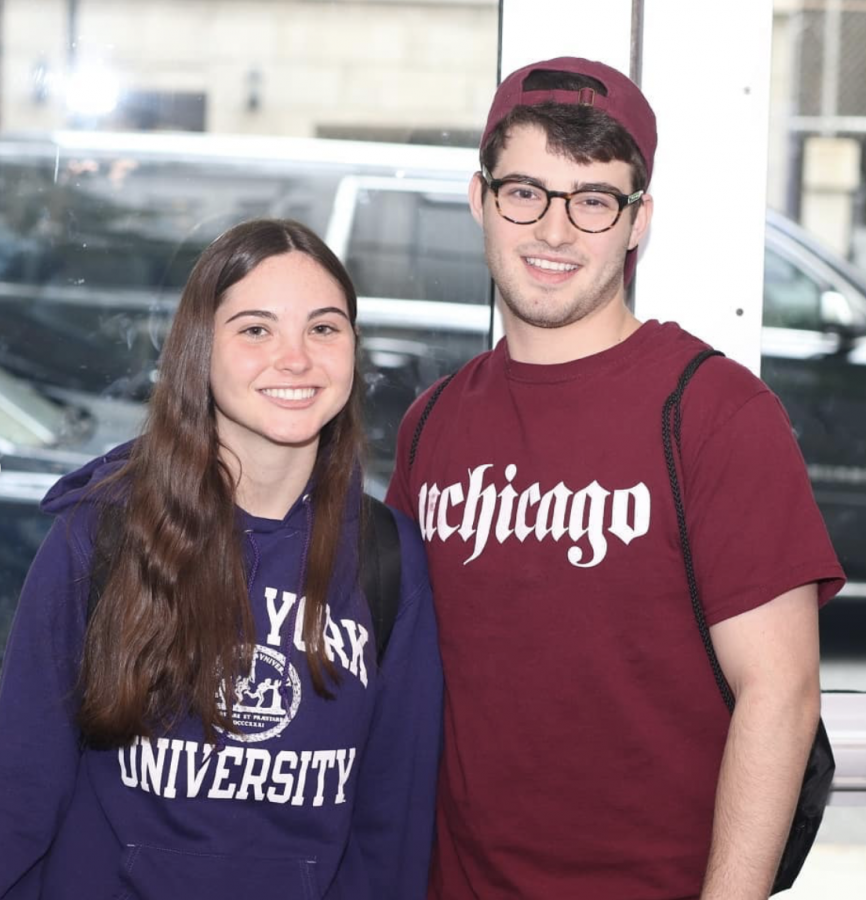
172, 628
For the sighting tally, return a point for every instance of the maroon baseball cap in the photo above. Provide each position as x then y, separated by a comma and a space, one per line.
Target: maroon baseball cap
623, 102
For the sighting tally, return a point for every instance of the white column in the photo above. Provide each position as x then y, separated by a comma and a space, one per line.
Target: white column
543, 29
706, 72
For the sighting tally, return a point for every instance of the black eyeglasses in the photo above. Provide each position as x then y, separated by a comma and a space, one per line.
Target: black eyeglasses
523, 202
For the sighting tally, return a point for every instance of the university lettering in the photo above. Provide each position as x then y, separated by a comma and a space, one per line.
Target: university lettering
174, 768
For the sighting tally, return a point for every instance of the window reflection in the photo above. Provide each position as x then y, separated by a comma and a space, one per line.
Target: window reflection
127, 147
791, 298
814, 338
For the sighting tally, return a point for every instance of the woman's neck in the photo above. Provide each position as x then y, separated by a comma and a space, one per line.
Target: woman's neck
269, 483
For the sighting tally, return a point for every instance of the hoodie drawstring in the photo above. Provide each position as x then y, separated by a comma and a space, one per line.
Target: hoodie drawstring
256, 560
289, 633
222, 737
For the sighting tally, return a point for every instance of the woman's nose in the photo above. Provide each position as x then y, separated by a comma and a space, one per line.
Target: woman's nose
292, 356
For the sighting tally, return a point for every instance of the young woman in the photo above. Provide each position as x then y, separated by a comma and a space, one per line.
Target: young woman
191, 703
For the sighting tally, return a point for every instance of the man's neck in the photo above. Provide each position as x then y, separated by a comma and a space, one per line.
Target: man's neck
599, 331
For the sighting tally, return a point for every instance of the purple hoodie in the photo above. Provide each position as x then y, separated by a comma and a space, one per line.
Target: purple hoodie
314, 799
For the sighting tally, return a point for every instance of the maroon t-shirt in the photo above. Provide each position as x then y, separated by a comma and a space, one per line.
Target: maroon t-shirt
584, 730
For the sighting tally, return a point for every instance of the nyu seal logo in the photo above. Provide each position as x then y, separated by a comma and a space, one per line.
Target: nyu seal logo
259, 711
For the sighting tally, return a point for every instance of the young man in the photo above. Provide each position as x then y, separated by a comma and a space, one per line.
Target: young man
588, 752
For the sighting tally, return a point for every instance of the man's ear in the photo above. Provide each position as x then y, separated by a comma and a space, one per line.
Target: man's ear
476, 198
642, 220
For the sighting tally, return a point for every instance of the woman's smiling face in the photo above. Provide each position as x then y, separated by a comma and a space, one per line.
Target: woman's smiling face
283, 357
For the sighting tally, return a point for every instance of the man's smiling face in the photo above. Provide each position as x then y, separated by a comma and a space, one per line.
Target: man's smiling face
549, 273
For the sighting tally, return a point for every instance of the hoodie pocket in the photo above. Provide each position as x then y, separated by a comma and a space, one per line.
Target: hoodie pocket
157, 873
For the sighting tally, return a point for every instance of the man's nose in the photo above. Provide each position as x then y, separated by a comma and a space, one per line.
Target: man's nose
555, 227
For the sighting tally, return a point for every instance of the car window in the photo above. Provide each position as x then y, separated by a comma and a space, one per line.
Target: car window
416, 245
26, 417
791, 298
112, 187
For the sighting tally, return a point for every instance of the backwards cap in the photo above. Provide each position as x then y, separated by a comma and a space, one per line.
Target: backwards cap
624, 102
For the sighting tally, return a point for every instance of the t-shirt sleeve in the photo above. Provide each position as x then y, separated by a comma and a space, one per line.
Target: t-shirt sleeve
754, 526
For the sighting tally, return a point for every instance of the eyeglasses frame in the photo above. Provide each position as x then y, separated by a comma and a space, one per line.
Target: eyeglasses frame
623, 200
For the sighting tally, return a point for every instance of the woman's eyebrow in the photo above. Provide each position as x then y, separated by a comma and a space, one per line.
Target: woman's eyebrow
327, 310
267, 314
257, 313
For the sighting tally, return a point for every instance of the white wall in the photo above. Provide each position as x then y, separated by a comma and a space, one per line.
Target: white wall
706, 71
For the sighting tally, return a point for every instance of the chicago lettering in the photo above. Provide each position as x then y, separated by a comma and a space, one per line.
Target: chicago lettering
482, 508
171, 768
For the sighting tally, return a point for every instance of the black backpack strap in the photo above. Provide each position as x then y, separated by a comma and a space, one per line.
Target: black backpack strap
673, 404
818, 775
425, 414
380, 568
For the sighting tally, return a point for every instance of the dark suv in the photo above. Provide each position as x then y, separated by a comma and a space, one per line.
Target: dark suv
98, 234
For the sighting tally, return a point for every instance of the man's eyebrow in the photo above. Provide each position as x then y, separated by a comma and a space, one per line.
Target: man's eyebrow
521, 176
576, 186
254, 313
600, 186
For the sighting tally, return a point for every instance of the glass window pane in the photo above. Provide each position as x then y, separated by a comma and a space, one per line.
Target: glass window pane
814, 357
126, 147
791, 298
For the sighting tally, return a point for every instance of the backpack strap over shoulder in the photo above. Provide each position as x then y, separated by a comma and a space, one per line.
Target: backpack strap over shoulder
673, 404
380, 568
820, 766
425, 414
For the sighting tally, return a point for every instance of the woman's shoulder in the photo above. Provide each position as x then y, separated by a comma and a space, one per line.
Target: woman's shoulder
93, 484
415, 578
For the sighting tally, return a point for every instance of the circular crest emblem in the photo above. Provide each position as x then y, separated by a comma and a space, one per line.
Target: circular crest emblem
259, 711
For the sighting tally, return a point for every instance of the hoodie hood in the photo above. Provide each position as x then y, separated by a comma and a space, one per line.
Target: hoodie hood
76, 486
79, 485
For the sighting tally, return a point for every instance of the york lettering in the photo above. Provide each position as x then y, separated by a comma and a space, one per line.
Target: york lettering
347, 650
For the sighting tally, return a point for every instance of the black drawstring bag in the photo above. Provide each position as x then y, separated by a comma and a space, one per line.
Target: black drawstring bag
820, 767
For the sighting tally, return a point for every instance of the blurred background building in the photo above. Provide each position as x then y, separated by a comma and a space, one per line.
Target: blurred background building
414, 71
817, 166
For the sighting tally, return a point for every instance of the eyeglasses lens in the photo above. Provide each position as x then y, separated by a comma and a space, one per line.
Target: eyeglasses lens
526, 203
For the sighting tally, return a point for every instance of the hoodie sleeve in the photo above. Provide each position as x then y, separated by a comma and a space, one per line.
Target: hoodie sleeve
39, 748
394, 809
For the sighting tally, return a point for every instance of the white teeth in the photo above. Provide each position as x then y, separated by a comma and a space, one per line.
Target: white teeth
550, 266
289, 393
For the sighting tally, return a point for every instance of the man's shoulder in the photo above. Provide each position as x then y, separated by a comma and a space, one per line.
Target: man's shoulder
720, 380
720, 393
